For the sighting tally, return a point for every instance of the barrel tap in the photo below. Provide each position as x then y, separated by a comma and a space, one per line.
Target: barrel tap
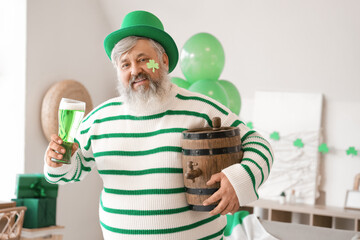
192, 173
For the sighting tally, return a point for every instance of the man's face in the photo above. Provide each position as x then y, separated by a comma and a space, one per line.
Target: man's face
132, 66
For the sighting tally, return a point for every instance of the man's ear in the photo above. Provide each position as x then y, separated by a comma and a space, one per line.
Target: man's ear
165, 59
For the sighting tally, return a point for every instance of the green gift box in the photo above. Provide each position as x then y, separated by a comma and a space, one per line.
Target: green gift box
34, 186
41, 212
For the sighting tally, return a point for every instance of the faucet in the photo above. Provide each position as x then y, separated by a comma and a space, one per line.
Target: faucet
192, 173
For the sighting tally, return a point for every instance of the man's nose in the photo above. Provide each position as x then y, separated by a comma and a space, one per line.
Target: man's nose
136, 69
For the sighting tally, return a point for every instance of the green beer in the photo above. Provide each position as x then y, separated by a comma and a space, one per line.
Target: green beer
71, 112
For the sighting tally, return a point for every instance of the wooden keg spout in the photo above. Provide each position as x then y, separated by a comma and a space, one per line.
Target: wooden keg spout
192, 173
216, 122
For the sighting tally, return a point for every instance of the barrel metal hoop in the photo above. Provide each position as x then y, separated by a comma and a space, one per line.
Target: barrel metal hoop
202, 208
212, 135
201, 191
213, 151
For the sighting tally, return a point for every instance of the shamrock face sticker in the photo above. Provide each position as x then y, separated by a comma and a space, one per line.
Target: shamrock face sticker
152, 64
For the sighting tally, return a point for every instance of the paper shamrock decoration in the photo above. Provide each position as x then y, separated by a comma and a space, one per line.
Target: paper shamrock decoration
250, 125
323, 148
152, 64
298, 143
275, 136
351, 151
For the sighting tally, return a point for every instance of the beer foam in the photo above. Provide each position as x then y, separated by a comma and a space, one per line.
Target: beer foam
71, 104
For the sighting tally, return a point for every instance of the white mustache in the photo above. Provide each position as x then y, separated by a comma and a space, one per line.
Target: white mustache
140, 77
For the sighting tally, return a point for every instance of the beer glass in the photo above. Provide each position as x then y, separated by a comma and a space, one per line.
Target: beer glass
71, 112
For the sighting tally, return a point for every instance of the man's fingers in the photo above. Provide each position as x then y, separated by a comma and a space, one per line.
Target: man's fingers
56, 138
235, 209
228, 209
56, 147
75, 146
225, 207
212, 199
220, 208
214, 179
52, 154
55, 150
226, 195
54, 164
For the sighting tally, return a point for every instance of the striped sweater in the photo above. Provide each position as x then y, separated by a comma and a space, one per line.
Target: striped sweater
138, 156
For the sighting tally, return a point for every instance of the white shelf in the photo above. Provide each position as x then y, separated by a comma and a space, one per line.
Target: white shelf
313, 215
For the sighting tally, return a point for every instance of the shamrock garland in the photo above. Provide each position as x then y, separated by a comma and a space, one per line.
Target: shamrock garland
298, 143
250, 125
275, 136
323, 147
351, 151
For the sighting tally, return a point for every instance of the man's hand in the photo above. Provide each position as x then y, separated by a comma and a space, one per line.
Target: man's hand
56, 151
229, 202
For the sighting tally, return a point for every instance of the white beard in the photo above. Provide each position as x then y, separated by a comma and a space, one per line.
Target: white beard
145, 97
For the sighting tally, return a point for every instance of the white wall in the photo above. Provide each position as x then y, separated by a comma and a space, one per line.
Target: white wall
64, 41
297, 46
12, 94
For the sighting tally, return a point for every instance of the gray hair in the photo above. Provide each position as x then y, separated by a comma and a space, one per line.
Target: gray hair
126, 44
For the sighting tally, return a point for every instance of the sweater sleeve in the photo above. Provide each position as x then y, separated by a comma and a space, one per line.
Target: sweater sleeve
82, 161
247, 176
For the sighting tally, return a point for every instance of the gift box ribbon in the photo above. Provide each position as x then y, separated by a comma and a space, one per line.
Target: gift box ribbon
38, 188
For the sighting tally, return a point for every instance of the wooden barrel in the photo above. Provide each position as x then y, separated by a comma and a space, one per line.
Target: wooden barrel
206, 151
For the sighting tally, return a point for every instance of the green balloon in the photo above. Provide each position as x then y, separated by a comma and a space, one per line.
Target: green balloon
233, 96
211, 89
202, 57
180, 82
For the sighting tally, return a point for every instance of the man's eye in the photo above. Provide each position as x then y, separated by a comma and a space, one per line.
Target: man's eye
143, 59
124, 66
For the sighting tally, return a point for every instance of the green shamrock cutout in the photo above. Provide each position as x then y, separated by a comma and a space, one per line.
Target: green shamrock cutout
250, 125
351, 151
298, 143
152, 64
275, 136
323, 148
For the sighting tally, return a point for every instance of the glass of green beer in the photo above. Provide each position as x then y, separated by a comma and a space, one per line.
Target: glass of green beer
71, 112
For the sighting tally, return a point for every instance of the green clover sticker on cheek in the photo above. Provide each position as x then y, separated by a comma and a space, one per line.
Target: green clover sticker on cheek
152, 64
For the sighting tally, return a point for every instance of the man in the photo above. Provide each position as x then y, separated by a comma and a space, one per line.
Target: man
134, 140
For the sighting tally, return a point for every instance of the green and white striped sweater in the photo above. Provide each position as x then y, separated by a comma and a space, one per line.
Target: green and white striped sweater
138, 156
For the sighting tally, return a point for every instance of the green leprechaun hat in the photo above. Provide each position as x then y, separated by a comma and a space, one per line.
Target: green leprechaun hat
144, 24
